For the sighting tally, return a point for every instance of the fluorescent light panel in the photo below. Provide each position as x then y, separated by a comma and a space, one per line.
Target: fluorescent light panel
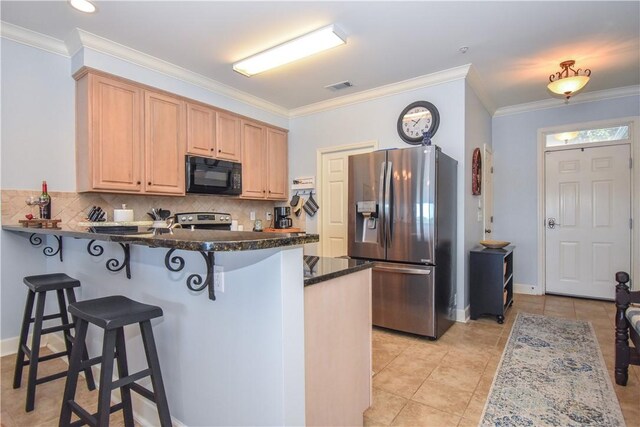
298, 48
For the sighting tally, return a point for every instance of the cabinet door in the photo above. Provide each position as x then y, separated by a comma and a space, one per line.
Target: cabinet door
164, 142
277, 164
201, 130
115, 135
228, 144
253, 160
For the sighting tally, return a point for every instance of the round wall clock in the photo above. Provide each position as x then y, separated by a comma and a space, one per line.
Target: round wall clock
416, 118
476, 173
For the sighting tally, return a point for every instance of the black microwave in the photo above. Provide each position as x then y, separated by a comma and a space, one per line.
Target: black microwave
211, 176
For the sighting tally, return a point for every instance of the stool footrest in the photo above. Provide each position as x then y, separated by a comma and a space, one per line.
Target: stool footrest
47, 317
57, 328
130, 378
89, 363
53, 356
86, 417
51, 377
143, 392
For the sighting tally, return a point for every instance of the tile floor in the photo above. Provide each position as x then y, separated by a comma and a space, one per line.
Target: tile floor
416, 382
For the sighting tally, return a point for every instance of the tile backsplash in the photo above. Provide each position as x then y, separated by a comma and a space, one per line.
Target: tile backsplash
72, 207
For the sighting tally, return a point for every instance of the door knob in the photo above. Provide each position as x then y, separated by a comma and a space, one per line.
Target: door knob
551, 223
487, 230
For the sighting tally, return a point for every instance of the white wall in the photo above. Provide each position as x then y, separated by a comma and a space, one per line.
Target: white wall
376, 120
515, 172
477, 133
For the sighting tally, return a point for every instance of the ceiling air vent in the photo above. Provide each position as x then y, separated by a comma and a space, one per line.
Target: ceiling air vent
339, 86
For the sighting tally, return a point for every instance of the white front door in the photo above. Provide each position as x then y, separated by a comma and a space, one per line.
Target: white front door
487, 192
588, 211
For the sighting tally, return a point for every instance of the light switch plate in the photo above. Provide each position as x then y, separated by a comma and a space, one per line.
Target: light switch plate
252, 215
218, 278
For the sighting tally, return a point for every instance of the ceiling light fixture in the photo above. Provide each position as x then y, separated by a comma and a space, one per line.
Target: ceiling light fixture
568, 81
292, 50
83, 5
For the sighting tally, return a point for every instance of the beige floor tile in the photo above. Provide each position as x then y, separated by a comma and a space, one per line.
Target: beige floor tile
443, 396
475, 408
416, 414
368, 422
398, 382
412, 365
459, 377
385, 407
465, 422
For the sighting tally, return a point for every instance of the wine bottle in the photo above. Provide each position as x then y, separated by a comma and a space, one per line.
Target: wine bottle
45, 208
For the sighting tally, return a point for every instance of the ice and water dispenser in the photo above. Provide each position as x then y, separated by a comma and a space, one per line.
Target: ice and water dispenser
367, 222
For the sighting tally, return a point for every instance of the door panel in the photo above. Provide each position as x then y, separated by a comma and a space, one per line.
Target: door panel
411, 236
588, 194
366, 179
201, 130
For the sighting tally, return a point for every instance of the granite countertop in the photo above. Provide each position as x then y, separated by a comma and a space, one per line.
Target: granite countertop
185, 239
320, 269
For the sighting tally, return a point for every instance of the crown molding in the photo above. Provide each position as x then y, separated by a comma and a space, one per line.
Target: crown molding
33, 39
582, 98
475, 81
100, 44
432, 79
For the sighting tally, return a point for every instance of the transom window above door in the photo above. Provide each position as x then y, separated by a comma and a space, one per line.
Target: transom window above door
588, 136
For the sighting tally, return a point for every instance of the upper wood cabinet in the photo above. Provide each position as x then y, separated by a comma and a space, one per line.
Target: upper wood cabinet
129, 140
201, 130
109, 135
164, 136
228, 136
277, 164
264, 162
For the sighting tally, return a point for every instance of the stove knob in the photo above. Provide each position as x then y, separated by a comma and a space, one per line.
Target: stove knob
184, 218
190, 218
228, 218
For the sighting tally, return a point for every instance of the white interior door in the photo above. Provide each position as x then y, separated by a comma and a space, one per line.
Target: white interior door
588, 211
487, 192
334, 193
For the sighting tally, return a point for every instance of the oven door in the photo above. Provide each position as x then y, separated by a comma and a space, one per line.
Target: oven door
210, 176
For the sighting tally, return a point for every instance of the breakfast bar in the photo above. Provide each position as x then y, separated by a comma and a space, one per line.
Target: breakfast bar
256, 351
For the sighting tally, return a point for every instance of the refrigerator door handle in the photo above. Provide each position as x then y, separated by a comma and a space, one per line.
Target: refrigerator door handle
387, 202
403, 270
383, 166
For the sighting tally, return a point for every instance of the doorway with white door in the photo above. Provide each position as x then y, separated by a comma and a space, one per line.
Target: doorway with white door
332, 167
587, 228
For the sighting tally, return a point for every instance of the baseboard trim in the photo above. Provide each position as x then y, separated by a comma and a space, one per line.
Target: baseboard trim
463, 315
10, 345
524, 288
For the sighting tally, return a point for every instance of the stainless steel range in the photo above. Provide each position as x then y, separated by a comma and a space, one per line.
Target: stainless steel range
204, 220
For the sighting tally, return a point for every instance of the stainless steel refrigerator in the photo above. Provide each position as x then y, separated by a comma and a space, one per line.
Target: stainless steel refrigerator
402, 213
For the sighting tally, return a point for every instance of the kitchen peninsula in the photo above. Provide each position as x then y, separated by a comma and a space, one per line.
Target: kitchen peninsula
238, 360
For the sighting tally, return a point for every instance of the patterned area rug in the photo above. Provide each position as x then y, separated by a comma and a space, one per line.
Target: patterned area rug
551, 374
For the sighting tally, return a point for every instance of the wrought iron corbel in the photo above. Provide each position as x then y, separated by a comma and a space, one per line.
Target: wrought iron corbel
195, 282
112, 264
36, 240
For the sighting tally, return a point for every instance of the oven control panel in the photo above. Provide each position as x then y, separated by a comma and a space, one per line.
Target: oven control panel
203, 218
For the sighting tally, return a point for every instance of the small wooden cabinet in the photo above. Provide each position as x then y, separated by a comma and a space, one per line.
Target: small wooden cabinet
491, 273
228, 137
264, 162
201, 130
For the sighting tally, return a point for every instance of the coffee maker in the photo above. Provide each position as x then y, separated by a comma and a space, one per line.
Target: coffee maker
281, 217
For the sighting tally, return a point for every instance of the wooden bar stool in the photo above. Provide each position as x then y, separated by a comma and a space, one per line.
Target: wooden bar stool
40, 285
112, 314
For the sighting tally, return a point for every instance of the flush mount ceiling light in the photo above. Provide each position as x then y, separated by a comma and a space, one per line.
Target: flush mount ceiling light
292, 50
83, 5
568, 81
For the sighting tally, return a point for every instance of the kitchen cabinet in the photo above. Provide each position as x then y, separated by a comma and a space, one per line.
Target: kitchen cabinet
228, 145
128, 139
491, 272
164, 136
201, 130
264, 162
109, 145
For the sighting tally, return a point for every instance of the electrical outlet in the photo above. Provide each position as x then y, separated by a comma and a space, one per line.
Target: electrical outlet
252, 215
479, 216
218, 278
267, 215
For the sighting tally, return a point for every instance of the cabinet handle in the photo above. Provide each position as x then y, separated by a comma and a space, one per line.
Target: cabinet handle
149, 183
139, 183
212, 149
219, 150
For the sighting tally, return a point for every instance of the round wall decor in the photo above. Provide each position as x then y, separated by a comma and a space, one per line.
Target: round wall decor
417, 118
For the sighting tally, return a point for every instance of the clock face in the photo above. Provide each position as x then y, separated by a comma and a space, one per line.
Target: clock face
416, 119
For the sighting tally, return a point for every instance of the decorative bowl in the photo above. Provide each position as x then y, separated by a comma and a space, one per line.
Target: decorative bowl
494, 244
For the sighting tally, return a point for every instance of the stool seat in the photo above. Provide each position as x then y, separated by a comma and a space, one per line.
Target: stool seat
50, 282
114, 311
